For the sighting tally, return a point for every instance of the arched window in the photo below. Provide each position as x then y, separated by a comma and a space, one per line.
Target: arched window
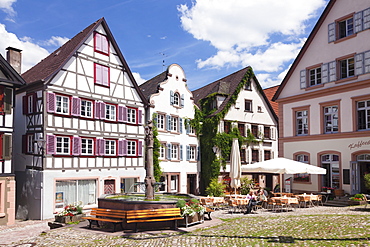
176, 99
332, 177
302, 177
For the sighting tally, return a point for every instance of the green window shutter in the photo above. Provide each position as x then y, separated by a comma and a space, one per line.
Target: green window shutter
7, 147
8, 100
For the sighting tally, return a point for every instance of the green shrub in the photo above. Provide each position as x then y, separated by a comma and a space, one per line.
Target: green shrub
246, 185
215, 188
367, 180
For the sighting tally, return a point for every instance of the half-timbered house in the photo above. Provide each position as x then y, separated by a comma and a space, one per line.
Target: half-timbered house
171, 106
79, 126
9, 81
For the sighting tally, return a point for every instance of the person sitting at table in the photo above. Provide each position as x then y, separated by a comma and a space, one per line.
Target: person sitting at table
252, 201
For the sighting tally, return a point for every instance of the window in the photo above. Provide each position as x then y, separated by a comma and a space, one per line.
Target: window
110, 112
131, 115
315, 76
248, 105
174, 181
87, 146
63, 145
332, 177
176, 99
110, 147
243, 155
302, 122
86, 108
347, 68
128, 185
331, 119
75, 191
175, 152
227, 127
266, 132
255, 156
30, 143
30, 106
255, 131
131, 148
267, 154
101, 75
101, 43
363, 115
5, 148
301, 177
345, 28
174, 124
162, 151
191, 153
241, 128
29, 103
62, 104
161, 122
248, 86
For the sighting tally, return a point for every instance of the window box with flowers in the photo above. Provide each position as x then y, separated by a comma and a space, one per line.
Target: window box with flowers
71, 213
192, 211
358, 199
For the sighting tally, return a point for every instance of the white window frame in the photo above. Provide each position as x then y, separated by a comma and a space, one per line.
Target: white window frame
301, 120
347, 68
87, 146
161, 122
62, 104
175, 152
162, 151
87, 108
131, 115
366, 110
248, 105
110, 147
174, 124
30, 103
346, 28
110, 112
314, 76
192, 153
63, 145
176, 99
132, 147
30, 143
330, 116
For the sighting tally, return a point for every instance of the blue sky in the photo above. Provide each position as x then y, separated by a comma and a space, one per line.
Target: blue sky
209, 39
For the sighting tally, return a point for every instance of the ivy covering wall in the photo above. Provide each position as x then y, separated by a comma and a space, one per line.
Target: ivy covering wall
206, 123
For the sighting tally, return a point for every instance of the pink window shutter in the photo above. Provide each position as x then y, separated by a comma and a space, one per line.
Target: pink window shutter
140, 117
120, 114
50, 144
124, 147
105, 44
105, 75
124, 111
98, 38
98, 74
120, 148
102, 110
50, 102
76, 106
76, 146
97, 110
140, 149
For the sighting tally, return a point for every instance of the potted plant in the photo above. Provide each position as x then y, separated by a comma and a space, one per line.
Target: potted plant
192, 211
71, 213
357, 199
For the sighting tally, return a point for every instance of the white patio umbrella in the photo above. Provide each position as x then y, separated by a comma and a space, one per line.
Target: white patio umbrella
235, 165
283, 166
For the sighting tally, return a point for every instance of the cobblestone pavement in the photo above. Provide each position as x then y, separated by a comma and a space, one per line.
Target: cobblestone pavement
37, 233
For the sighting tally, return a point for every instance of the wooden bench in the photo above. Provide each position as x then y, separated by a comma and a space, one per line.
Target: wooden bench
153, 215
114, 216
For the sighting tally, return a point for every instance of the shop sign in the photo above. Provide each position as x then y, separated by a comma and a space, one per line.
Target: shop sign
359, 144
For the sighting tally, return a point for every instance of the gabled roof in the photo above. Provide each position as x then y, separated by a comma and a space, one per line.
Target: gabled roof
47, 68
227, 86
12, 75
152, 86
270, 92
304, 48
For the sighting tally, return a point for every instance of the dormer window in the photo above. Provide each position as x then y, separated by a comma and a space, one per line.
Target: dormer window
176, 99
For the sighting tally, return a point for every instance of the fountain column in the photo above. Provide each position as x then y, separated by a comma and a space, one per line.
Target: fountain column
149, 179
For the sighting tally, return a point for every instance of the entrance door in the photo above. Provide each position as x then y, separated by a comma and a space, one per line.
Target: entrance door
355, 178
192, 184
109, 186
364, 169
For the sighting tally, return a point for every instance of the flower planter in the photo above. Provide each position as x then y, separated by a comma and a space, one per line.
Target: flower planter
68, 219
191, 220
353, 203
338, 192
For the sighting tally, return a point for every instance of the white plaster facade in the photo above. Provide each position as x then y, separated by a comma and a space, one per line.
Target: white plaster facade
332, 136
172, 103
80, 131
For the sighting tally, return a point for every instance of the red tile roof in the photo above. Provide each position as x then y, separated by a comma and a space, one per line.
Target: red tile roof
270, 92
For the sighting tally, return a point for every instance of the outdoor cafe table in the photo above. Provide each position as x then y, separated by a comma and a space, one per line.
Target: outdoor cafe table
308, 198
287, 200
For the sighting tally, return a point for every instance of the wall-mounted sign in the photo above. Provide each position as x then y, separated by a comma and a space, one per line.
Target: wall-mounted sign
358, 144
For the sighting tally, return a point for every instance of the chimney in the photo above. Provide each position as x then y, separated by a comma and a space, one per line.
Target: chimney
14, 58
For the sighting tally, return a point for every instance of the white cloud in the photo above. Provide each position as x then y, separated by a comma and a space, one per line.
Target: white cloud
55, 41
6, 6
265, 34
138, 78
31, 52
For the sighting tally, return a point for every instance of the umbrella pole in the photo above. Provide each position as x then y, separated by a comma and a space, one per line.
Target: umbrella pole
281, 184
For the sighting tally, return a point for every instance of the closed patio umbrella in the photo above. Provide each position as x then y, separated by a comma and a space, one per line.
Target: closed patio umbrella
235, 165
